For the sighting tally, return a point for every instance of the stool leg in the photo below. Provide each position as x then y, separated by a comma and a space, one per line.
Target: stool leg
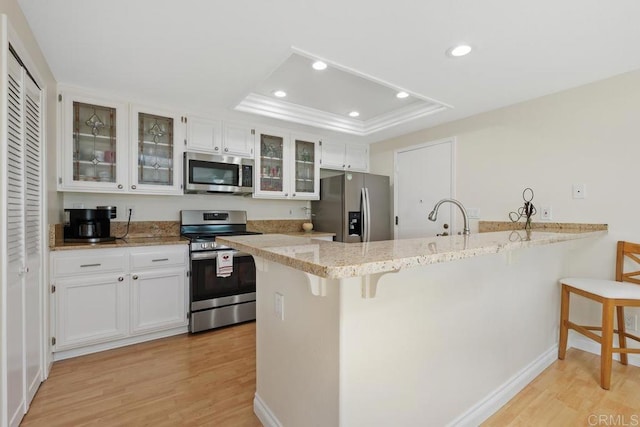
622, 339
606, 344
564, 318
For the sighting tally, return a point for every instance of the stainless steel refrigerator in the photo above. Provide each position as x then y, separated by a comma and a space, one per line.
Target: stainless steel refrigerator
355, 206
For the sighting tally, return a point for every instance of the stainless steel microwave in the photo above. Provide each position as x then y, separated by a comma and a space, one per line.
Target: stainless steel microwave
208, 173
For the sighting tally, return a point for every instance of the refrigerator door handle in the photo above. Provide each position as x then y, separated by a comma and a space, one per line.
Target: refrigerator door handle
368, 223
363, 215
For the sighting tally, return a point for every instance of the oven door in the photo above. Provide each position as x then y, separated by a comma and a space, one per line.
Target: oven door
210, 291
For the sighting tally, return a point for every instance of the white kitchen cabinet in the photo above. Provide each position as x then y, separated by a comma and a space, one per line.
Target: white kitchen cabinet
356, 157
156, 151
90, 310
106, 298
343, 156
93, 153
215, 137
306, 167
158, 289
286, 166
158, 300
237, 139
108, 146
272, 164
204, 135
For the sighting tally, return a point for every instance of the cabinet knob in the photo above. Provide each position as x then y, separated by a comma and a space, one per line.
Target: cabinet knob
135, 277
120, 279
217, 148
344, 165
226, 149
286, 194
294, 194
119, 186
348, 166
133, 187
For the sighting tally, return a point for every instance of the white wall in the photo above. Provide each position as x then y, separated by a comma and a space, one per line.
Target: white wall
587, 135
29, 51
167, 208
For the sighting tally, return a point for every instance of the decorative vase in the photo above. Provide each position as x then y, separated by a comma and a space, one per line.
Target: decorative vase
307, 226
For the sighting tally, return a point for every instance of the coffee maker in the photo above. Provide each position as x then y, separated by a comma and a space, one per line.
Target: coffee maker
87, 225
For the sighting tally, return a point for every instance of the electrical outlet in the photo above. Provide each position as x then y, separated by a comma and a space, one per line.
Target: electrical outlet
126, 211
579, 191
278, 305
545, 213
631, 322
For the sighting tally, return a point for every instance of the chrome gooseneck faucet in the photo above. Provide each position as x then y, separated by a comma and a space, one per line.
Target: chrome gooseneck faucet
434, 213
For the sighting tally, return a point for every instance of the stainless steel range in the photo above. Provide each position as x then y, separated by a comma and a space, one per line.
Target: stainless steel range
223, 280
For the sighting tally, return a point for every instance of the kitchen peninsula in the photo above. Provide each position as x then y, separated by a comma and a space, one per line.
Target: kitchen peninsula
429, 331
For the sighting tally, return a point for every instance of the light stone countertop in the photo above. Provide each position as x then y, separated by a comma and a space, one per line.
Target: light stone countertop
312, 234
123, 243
341, 260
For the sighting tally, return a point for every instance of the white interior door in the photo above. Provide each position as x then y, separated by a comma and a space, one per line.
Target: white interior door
424, 174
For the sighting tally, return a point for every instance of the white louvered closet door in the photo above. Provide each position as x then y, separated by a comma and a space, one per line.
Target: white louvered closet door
33, 234
16, 262
24, 241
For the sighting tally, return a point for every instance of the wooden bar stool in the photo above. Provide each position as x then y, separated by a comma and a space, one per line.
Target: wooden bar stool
611, 294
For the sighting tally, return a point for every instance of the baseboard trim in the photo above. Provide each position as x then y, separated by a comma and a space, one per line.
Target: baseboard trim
264, 414
109, 345
500, 396
585, 344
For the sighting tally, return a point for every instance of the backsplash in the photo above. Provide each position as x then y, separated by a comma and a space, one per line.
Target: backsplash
142, 229
276, 225
488, 226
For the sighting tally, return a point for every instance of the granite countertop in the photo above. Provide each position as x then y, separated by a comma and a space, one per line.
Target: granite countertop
340, 260
310, 234
123, 243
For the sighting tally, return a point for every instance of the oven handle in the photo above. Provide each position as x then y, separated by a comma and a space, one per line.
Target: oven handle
214, 254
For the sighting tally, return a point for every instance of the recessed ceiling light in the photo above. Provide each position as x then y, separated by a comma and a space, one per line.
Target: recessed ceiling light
402, 95
279, 93
319, 65
354, 114
459, 50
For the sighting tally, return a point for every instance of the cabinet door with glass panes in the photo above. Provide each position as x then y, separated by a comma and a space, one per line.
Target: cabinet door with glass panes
93, 155
306, 167
156, 148
272, 164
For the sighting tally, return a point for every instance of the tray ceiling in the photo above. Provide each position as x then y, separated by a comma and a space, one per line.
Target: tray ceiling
204, 56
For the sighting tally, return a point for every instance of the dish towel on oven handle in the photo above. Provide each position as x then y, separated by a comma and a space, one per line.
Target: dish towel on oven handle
224, 266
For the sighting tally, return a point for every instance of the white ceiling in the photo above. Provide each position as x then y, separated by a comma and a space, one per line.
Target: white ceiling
209, 55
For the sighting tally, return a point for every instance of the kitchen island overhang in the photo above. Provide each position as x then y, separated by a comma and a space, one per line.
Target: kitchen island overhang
406, 332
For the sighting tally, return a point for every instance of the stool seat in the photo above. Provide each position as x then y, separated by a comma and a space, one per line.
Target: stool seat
614, 296
604, 288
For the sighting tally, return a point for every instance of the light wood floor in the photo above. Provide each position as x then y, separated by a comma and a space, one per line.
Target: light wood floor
208, 379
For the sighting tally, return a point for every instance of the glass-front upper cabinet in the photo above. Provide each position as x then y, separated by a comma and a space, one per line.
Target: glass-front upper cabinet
306, 167
286, 166
93, 155
156, 153
271, 164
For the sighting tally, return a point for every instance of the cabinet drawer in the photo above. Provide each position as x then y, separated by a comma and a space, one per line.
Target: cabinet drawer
64, 266
158, 258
